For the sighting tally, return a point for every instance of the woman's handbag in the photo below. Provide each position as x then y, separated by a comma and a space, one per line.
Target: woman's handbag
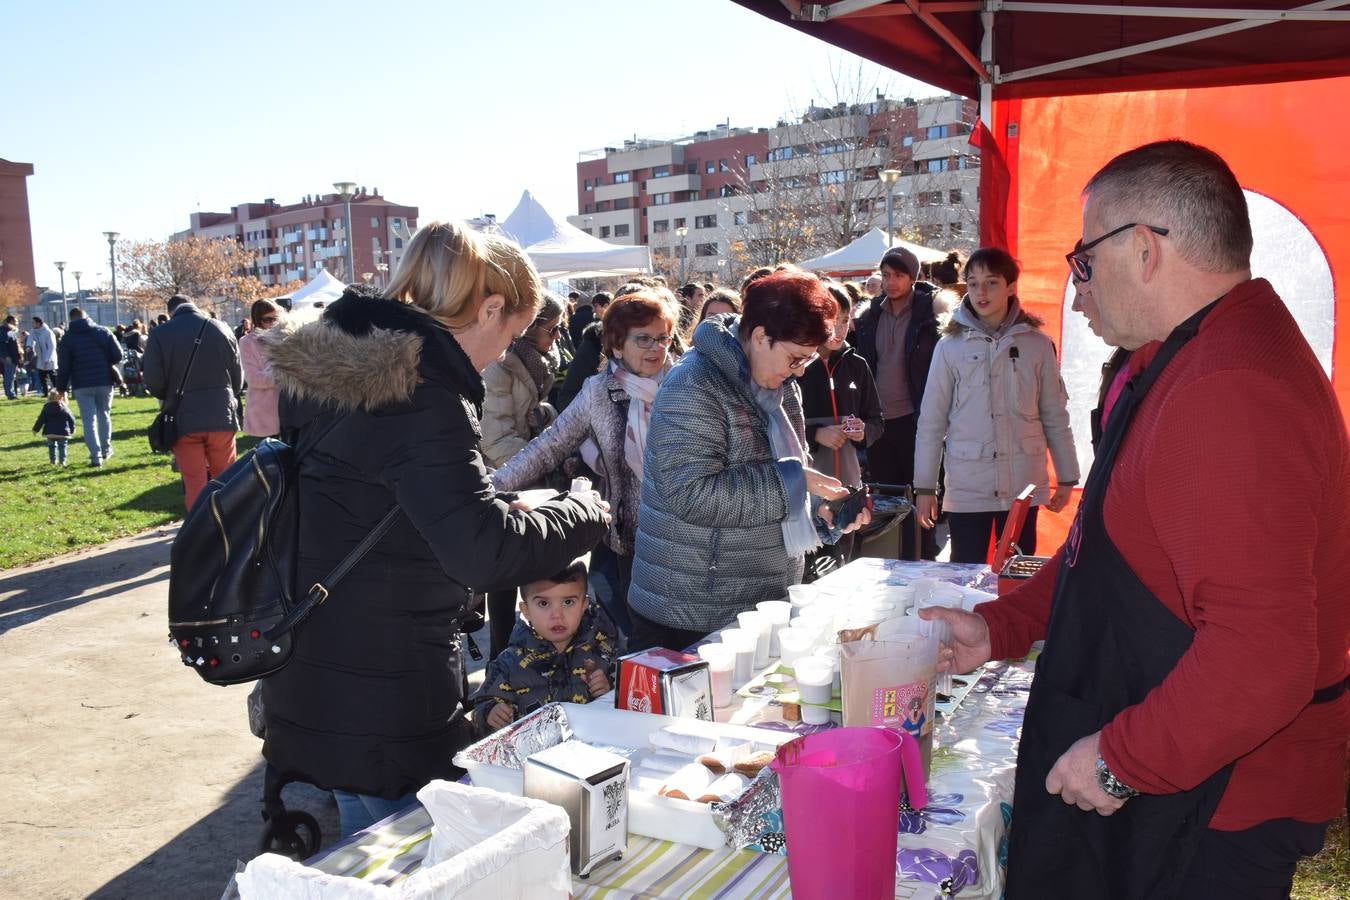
163, 432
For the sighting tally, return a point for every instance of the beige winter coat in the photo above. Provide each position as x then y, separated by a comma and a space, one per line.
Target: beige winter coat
510, 398
993, 406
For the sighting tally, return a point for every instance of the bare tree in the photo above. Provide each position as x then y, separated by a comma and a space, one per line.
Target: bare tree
205, 269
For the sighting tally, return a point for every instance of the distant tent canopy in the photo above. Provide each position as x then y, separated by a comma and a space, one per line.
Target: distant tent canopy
559, 249
323, 289
862, 255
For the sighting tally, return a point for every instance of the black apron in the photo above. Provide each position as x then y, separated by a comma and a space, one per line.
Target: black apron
1108, 643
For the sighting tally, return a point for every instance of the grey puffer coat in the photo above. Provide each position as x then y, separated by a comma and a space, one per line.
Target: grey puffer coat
995, 402
709, 536
600, 412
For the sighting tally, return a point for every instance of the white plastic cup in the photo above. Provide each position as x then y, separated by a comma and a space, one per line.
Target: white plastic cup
815, 679
800, 596
795, 643
743, 644
830, 654
755, 622
815, 715
721, 661
779, 613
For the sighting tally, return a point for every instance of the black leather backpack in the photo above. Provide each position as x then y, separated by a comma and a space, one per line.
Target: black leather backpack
233, 606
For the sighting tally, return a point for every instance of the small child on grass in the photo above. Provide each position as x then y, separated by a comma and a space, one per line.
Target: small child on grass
560, 651
56, 424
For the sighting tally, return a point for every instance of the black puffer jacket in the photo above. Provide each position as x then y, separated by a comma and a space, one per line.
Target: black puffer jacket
371, 700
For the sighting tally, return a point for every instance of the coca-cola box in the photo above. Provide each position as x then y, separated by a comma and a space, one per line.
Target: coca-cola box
665, 682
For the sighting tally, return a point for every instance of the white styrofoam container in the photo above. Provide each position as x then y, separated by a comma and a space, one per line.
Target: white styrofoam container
665, 818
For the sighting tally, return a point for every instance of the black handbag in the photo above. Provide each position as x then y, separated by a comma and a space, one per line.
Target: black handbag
163, 432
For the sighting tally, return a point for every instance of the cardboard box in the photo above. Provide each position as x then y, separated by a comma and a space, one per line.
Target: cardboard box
665, 682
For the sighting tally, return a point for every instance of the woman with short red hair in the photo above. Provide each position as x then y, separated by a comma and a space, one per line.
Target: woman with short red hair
727, 513
608, 424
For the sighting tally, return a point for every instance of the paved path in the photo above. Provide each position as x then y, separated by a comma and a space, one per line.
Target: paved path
121, 775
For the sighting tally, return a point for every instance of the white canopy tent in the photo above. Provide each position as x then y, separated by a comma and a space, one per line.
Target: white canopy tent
558, 248
863, 254
323, 289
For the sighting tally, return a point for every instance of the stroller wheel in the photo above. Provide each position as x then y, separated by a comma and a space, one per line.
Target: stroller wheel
292, 834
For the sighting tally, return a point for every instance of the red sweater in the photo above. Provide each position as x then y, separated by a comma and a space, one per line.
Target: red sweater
1230, 500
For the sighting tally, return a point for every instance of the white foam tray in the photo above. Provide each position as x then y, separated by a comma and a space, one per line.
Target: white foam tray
665, 818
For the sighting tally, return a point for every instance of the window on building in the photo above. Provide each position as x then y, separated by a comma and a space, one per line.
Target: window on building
837, 176
661, 172
586, 185
681, 251
728, 190
588, 231
705, 249
623, 202
749, 159
398, 223
622, 177
936, 165
691, 168
398, 243
709, 221
936, 131
660, 226
710, 167
954, 196
778, 154
709, 194
374, 221
679, 223
907, 141
621, 230
602, 206
738, 218
604, 231
660, 199
722, 166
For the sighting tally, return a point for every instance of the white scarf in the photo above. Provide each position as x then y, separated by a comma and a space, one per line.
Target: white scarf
641, 393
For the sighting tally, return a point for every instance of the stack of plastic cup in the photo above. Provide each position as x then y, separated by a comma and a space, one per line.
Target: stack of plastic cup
830, 653
815, 683
818, 619
779, 613
795, 643
743, 644
721, 661
757, 624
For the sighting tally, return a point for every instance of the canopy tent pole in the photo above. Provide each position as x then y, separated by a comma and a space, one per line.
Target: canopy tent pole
1150, 46
1299, 14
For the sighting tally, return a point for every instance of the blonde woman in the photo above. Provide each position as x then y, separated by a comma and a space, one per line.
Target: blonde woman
382, 397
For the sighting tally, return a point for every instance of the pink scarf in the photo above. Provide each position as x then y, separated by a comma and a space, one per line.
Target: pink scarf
641, 393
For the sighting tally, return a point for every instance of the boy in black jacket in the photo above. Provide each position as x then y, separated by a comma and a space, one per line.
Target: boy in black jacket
56, 424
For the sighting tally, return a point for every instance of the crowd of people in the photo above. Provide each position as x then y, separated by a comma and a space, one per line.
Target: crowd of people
714, 425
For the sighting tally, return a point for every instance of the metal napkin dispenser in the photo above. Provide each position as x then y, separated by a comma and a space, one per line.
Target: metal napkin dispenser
591, 785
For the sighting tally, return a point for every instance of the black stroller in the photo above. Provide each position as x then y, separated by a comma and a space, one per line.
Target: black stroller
292, 833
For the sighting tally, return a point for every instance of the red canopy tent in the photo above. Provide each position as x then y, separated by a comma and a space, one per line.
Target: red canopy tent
1065, 86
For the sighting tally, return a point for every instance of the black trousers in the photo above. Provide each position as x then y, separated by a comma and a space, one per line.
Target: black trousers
891, 461
1255, 864
971, 531
502, 613
648, 634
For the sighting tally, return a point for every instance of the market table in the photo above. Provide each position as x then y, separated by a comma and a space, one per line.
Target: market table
954, 847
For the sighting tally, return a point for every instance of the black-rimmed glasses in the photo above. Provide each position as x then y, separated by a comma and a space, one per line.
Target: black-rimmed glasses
1079, 264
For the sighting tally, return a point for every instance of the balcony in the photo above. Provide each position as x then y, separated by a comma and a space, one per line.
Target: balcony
616, 191
671, 184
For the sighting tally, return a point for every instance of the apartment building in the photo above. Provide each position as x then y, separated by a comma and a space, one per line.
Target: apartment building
727, 199
296, 241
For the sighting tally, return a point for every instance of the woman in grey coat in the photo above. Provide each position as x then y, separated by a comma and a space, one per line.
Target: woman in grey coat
608, 423
727, 513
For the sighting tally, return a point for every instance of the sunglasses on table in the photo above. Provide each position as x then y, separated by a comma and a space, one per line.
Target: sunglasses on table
1079, 265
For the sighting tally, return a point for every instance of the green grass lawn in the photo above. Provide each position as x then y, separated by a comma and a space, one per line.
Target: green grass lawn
46, 510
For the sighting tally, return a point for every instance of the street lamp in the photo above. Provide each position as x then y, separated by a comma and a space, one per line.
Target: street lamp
112, 268
66, 312
889, 177
367, 277
684, 251
347, 190
383, 269
61, 267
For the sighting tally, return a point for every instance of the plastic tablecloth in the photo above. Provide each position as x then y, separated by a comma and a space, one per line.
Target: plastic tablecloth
954, 847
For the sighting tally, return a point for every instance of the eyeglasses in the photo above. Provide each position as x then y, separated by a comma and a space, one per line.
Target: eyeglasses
1079, 264
647, 341
555, 330
797, 363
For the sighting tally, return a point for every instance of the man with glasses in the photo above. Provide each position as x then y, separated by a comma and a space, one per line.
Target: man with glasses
897, 335
1186, 732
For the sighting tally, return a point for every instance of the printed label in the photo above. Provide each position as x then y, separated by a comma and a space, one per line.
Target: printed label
640, 688
907, 706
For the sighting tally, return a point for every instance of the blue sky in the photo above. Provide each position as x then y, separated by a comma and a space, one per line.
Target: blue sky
137, 114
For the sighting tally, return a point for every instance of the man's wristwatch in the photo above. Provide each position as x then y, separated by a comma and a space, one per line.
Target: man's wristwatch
1113, 786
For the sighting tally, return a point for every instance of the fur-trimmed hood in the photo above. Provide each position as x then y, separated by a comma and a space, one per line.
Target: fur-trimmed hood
366, 352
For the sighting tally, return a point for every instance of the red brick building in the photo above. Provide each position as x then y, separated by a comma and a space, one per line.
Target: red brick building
16, 232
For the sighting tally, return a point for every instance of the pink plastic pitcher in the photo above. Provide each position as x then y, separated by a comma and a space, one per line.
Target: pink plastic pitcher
841, 804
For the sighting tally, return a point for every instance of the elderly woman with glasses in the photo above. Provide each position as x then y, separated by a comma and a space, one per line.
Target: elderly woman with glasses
729, 505
608, 424
516, 407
